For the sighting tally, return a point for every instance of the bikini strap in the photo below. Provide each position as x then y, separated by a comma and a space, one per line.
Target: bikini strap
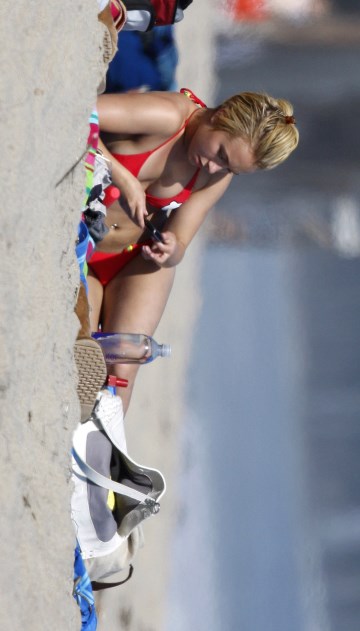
190, 94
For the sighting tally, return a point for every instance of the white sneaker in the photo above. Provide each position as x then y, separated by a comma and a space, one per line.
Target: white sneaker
108, 410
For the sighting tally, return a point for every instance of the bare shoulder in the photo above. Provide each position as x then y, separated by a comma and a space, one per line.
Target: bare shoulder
171, 106
160, 113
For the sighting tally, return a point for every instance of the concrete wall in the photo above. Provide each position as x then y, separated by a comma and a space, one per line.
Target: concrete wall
51, 63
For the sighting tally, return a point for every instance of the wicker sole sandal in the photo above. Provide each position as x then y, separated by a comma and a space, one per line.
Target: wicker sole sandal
113, 16
92, 373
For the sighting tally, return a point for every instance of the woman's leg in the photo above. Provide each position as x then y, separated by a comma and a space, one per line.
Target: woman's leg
134, 302
95, 298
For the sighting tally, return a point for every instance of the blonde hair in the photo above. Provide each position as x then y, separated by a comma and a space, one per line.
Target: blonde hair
267, 123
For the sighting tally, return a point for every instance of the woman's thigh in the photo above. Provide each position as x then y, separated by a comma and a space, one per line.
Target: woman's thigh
134, 302
135, 299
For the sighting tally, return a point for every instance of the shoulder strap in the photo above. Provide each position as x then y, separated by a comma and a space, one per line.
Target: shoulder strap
111, 485
96, 585
190, 94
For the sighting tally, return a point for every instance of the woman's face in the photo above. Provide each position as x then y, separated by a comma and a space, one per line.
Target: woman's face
216, 151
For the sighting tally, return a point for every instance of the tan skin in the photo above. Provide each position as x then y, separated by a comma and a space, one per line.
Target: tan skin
135, 298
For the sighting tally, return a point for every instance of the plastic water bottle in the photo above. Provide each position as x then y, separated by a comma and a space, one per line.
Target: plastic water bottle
130, 348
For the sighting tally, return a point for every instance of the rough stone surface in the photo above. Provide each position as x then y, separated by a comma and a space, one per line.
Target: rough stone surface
51, 64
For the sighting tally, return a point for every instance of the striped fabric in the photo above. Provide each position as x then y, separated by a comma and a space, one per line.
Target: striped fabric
84, 249
92, 144
85, 244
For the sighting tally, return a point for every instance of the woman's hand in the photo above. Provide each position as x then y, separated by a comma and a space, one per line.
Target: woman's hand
164, 254
133, 199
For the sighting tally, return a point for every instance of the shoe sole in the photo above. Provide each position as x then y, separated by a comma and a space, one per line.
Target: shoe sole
91, 367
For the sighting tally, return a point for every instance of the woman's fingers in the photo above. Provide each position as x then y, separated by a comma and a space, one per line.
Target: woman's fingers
137, 210
134, 201
154, 255
160, 252
140, 213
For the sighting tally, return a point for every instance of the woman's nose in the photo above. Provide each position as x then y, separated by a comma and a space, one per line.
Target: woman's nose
212, 167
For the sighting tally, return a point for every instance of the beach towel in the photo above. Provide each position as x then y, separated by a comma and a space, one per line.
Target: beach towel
83, 594
92, 145
95, 208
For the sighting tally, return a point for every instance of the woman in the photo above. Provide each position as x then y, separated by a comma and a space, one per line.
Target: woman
172, 159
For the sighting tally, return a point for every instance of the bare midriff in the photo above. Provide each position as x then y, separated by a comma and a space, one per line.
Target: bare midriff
122, 231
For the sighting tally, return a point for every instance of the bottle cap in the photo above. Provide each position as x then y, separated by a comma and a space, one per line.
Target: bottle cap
111, 194
165, 350
112, 380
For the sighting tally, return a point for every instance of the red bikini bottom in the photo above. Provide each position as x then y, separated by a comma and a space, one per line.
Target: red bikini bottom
106, 265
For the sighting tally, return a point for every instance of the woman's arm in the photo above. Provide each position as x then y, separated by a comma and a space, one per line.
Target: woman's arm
132, 194
135, 114
184, 223
158, 114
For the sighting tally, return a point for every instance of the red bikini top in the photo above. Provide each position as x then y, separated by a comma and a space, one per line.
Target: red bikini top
134, 162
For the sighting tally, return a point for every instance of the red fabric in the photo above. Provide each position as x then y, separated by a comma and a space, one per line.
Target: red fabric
135, 161
106, 265
164, 11
160, 202
190, 94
